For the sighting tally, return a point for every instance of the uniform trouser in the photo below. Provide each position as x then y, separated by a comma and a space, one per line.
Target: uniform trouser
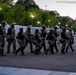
9, 44
69, 45
2, 44
43, 45
63, 47
38, 47
51, 48
30, 42
22, 47
56, 46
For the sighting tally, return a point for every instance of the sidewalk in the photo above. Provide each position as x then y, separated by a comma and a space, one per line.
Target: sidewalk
21, 71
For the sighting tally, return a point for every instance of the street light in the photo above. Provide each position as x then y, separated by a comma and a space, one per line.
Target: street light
59, 23
38, 22
32, 16
71, 26
66, 25
48, 20
0, 8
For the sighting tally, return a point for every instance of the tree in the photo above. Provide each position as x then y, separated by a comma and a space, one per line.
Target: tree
6, 1
19, 14
52, 13
37, 16
27, 4
48, 19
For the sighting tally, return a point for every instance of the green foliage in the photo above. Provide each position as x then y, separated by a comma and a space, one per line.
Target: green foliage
17, 13
37, 13
48, 19
74, 27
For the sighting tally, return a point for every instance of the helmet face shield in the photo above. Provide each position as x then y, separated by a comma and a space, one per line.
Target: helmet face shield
43, 27
3, 23
28, 28
21, 29
12, 26
36, 30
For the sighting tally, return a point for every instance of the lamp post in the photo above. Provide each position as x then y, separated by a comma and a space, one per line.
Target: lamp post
66, 25
0, 8
48, 22
38, 22
59, 23
32, 16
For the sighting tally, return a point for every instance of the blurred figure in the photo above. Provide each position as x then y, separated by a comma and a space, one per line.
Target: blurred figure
56, 35
70, 40
37, 42
11, 38
29, 40
2, 37
51, 41
21, 40
43, 38
63, 40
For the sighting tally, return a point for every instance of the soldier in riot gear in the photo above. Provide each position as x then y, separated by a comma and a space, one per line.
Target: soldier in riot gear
63, 40
2, 37
29, 40
11, 38
56, 35
51, 41
43, 37
70, 40
36, 42
21, 40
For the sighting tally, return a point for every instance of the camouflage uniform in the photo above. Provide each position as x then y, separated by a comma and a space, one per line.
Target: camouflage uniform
11, 39
2, 37
37, 42
43, 37
21, 41
29, 40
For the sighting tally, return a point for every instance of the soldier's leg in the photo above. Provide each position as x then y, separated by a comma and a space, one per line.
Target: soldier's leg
21, 43
71, 47
14, 46
20, 49
67, 47
44, 46
8, 46
63, 48
2, 46
52, 50
56, 47
31, 46
26, 43
37, 50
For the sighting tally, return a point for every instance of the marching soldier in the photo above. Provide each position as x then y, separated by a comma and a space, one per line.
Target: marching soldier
11, 39
21, 40
51, 41
2, 37
56, 35
43, 37
63, 40
70, 40
29, 40
37, 42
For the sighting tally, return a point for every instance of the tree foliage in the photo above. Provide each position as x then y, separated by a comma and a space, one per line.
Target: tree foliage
21, 12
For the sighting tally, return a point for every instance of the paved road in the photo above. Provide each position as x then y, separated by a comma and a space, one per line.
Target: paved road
57, 62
